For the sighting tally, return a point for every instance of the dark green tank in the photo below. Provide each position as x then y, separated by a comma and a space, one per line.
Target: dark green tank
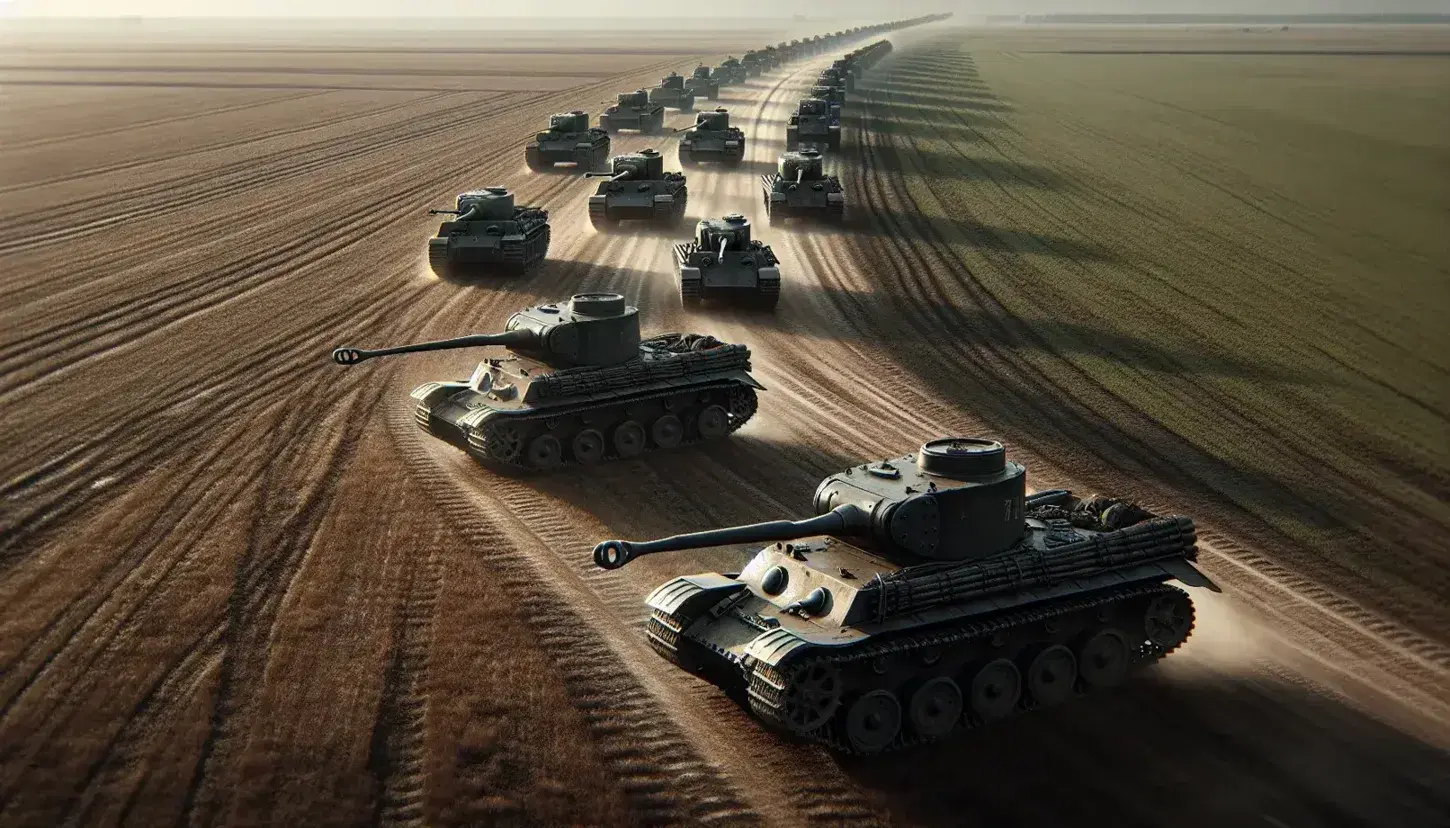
723, 263
634, 110
638, 189
580, 386
930, 595
489, 232
704, 83
730, 72
568, 140
800, 188
813, 125
672, 92
712, 138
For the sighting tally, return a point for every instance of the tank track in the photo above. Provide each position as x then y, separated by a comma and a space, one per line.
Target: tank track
690, 294
599, 217
767, 294
438, 261
836, 210
485, 444
536, 161
520, 258
768, 688
673, 213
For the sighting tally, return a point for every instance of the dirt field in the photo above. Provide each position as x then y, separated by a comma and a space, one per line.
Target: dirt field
240, 587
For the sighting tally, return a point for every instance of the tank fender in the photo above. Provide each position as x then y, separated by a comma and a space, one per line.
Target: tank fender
1189, 574
664, 198
690, 274
743, 377
688, 596
429, 393
601, 200
768, 274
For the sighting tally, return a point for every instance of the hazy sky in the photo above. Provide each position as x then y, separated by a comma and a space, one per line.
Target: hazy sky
766, 8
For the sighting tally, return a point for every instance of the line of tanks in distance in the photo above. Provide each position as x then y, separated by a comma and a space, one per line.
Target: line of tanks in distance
489, 231
929, 594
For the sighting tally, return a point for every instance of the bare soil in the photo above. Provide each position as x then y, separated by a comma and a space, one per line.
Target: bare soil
238, 586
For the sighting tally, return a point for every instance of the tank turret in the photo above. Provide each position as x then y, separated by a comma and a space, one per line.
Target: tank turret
960, 499
645, 165
702, 72
589, 329
638, 97
488, 204
717, 121
576, 121
731, 232
804, 165
673, 80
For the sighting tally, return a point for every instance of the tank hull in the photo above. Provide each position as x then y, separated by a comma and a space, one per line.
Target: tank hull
666, 413
663, 204
647, 119
730, 280
707, 88
681, 99
823, 136
804, 201
586, 151
1016, 642
724, 146
518, 248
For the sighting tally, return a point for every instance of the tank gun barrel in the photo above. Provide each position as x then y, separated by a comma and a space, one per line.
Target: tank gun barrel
846, 519
618, 176
352, 356
723, 243
463, 215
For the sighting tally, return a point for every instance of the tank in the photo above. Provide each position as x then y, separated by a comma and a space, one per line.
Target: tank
929, 595
568, 140
812, 125
638, 189
634, 110
673, 93
703, 83
753, 62
579, 386
489, 231
843, 69
712, 138
800, 189
730, 72
723, 263
834, 98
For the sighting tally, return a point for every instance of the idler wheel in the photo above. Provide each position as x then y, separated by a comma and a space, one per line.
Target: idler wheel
962, 457
545, 452
629, 438
935, 708
1103, 659
1051, 675
588, 446
713, 422
1168, 620
873, 721
667, 431
995, 689
812, 695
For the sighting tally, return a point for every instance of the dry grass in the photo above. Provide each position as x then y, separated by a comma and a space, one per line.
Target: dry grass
1224, 275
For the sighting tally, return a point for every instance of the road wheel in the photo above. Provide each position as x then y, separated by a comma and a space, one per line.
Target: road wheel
629, 438
545, 452
873, 721
935, 708
1051, 675
588, 446
1103, 659
713, 422
667, 431
995, 689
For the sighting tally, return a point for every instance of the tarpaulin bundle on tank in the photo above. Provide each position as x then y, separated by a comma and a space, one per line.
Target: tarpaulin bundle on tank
927, 585
669, 356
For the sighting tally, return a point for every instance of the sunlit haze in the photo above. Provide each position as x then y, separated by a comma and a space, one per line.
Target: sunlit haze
763, 8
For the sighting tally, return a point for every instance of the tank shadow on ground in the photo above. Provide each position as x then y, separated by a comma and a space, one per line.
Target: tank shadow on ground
932, 101
954, 165
987, 237
1164, 750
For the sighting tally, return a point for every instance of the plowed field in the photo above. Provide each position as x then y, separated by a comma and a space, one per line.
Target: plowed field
238, 585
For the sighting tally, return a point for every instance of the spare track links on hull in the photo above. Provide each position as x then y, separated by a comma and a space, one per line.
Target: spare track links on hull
503, 440
813, 701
